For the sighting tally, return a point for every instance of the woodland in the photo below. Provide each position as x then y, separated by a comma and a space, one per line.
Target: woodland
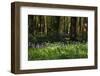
57, 37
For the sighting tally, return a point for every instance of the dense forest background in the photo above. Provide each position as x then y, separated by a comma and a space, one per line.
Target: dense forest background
51, 29
57, 28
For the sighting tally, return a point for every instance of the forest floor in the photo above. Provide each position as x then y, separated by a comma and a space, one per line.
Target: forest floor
58, 50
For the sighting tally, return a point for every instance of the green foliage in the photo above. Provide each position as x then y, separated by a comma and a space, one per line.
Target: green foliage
58, 50
57, 37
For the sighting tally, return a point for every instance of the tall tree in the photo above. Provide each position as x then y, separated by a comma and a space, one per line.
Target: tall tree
78, 28
82, 28
45, 23
61, 25
73, 28
84, 33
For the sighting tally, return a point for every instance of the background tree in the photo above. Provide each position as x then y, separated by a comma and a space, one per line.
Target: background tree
73, 28
57, 28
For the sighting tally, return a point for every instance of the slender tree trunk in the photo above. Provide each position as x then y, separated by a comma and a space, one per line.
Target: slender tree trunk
86, 26
82, 29
61, 25
34, 22
40, 24
73, 28
69, 25
45, 23
78, 28
66, 25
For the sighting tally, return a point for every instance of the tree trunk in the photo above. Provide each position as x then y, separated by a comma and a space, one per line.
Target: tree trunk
73, 28
61, 25
82, 29
45, 23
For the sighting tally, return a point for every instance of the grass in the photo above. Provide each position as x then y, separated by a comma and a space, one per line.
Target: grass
58, 50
